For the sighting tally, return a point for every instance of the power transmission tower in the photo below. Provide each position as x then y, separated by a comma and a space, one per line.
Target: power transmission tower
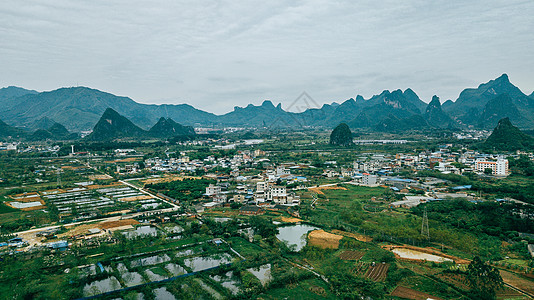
58, 171
424, 226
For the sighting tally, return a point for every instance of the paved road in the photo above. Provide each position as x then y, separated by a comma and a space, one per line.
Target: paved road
175, 206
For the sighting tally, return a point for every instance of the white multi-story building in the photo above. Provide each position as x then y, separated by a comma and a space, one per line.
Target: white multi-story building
280, 171
262, 188
277, 194
368, 179
498, 167
213, 190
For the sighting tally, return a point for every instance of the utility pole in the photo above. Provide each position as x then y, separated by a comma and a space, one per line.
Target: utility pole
424, 226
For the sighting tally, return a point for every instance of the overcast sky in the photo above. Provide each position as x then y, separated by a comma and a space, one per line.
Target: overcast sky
216, 55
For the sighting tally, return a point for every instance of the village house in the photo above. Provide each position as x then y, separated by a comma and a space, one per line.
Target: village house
213, 190
249, 210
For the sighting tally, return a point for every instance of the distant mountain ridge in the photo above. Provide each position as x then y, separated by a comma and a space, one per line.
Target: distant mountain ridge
80, 108
499, 108
14, 92
468, 109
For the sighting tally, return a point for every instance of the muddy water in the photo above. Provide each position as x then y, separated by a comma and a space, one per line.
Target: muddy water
175, 269
209, 289
101, 286
163, 294
132, 278
153, 276
174, 229
203, 263
151, 260
295, 235
140, 231
228, 281
263, 273
185, 252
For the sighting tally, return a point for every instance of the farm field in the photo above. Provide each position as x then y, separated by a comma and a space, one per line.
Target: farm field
518, 281
407, 293
102, 273
377, 271
307, 289
351, 255
508, 293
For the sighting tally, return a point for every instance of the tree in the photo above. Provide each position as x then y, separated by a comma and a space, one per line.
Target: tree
522, 165
74, 210
348, 286
488, 171
263, 227
195, 227
341, 136
483, 279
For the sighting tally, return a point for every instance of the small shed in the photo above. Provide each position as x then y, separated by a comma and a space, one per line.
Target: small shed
93, 231
58, 245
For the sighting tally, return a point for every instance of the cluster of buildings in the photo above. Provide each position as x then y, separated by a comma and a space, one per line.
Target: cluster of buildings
269, 184
443, 160
29, 148
8, 146
185, 164
257, 190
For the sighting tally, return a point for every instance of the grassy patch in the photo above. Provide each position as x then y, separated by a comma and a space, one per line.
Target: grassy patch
159, 271
430, 286
21, 220
244, 247
4, 209
309, 289
517, 262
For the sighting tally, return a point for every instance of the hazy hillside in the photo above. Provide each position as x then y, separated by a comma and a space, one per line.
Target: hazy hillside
80, 108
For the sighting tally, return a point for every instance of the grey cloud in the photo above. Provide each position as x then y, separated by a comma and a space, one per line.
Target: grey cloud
218, 54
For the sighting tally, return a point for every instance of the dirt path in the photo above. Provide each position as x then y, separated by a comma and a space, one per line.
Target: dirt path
175, 206
359, 237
